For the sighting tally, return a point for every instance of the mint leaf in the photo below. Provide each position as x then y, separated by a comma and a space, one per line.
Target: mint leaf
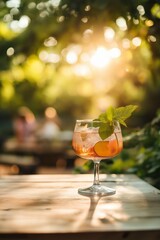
110, 116
122, 122
105, 130
103, 117
122, 113
107, 116
95, 123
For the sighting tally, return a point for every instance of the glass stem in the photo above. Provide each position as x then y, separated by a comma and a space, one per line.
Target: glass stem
96, 173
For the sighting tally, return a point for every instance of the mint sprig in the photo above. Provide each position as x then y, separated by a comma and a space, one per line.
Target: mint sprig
111, 115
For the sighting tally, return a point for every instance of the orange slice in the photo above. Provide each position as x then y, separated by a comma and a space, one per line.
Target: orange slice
102, 149
113, 148
106, 148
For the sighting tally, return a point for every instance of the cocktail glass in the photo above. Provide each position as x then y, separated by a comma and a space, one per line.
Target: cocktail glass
88, 144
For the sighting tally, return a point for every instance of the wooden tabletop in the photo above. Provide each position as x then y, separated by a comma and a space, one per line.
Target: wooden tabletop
49, 207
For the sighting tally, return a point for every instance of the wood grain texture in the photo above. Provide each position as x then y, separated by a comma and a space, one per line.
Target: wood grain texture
47, 206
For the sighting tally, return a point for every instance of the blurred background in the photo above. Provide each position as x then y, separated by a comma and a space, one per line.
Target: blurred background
61, 60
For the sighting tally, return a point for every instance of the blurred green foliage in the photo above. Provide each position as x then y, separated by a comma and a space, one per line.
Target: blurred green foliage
47, 58
143, 149
46, 48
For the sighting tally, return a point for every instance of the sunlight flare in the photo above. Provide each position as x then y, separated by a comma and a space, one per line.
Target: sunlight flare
100, 58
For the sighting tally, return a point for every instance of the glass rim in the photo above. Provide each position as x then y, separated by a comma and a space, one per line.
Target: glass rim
87, 120
91, 120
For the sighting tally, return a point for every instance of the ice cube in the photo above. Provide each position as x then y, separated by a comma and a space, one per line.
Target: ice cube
90, 137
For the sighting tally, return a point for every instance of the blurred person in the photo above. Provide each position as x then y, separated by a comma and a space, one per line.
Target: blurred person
24, 124
50, 128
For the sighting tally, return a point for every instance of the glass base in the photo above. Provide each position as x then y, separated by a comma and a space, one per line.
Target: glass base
98, 190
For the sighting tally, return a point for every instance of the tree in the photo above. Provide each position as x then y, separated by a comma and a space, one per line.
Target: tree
66, 53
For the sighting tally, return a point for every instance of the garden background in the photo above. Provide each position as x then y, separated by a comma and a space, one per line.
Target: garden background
81, 57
